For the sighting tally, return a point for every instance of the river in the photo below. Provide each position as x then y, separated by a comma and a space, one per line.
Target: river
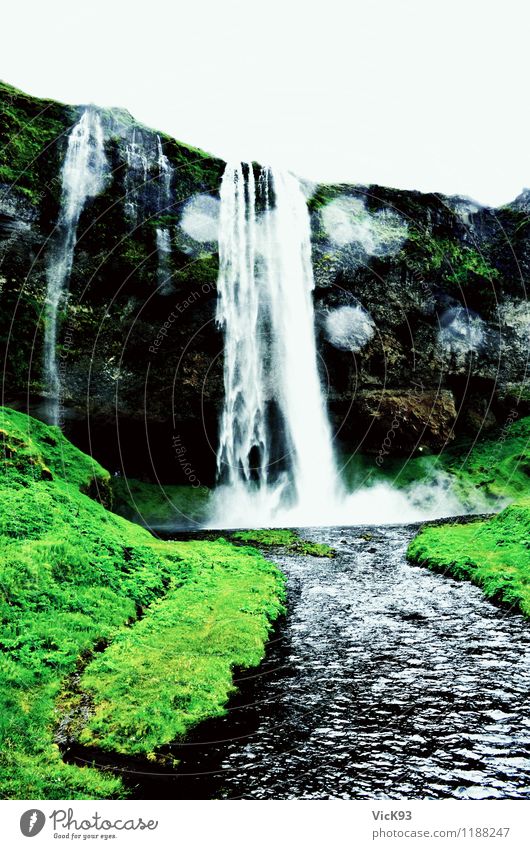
384, 681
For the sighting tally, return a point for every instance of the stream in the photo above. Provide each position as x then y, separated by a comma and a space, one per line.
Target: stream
385, 680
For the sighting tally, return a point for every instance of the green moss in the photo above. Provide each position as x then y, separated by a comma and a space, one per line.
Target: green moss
29, 131
202, 271
494, 554
276, 537
197, 166
325, 193
73, 575
158, 505
31, 449
172, 669
453, 264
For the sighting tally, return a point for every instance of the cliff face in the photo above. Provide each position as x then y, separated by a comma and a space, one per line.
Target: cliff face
420, 300
138, 349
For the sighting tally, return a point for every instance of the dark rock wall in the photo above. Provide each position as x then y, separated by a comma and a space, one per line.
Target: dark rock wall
422, 319
441, 286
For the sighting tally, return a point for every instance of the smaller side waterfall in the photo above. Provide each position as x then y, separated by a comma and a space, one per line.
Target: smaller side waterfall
163, 250
165, 177
163, 234
136, 176
83, 176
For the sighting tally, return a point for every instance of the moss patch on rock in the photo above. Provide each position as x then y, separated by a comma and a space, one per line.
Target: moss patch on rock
29, 131
287, 539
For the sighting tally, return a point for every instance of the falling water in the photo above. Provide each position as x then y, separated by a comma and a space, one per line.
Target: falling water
83, 176
165, 176
136, 176
163, 235
275, 461
275, 457
163, 250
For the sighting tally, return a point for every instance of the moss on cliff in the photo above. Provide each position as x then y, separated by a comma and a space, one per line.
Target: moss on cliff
459, 268
29, 131
325, 193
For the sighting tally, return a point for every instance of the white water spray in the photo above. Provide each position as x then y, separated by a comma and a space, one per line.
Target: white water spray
163, 250
83, 176
275, 458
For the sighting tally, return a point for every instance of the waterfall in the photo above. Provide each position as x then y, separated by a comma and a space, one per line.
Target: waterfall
163, 234
275, 458
136, 176
83, 176
163, 250
165, 176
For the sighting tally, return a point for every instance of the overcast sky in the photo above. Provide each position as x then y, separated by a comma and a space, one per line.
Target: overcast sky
410, 93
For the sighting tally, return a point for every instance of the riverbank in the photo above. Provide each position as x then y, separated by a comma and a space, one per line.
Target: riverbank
75, 579
493, 553
383, 681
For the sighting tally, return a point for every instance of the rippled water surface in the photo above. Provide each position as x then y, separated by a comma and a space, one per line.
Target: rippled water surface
384, 681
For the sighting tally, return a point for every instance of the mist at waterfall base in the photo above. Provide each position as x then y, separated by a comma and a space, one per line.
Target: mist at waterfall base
276, 462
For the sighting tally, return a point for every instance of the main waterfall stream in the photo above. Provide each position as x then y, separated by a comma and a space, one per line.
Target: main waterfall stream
275, 452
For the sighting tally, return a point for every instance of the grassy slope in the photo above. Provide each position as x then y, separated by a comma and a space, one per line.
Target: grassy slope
72, 575
495, 553
172, 669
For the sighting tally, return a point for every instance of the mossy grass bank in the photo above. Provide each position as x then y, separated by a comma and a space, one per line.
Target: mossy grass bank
175, 617
493, 553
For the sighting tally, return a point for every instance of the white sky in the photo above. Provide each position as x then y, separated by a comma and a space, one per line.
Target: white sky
424, 94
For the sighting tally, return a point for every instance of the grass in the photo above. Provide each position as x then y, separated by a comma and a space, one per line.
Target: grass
74, 576
173, 668
493, 553
290, 540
